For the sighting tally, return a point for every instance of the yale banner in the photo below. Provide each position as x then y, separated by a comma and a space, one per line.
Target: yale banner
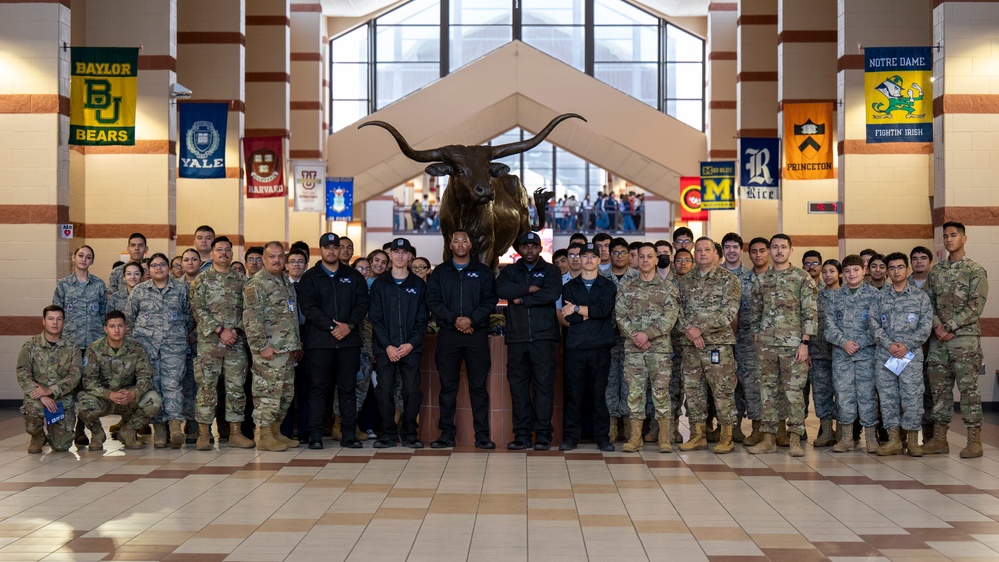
690, 200
759, 168
202, 146
717, 186
310, 185
264, 167
102, 92
340, 199
808, 141
899, 96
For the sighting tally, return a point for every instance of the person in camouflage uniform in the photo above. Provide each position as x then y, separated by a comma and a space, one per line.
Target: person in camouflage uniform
617, 388
709, 298
646, 310
117, 379
270, 319
820, 352
136, 251
784, 318
847, 328
901, 320
921, 260
217, 303
48, 370
132, 275
747, 392
159, 311
959, 287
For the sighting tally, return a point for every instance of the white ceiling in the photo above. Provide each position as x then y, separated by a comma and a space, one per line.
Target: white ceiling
360, 8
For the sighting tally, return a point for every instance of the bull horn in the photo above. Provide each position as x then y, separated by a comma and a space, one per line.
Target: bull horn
527, 144
431, 155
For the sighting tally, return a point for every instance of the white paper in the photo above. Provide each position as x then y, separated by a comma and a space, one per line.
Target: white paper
896, 365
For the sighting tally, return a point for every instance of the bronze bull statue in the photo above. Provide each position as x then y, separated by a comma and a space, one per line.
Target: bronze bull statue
482, 197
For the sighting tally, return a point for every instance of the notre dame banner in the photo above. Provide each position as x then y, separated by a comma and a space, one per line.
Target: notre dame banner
102, 95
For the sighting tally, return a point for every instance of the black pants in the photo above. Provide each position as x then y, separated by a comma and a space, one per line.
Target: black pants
530, 370
452, 348
341, 366
586, 368
297, 419
406, 369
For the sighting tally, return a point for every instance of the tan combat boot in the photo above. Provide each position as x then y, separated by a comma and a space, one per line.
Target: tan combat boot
871, 439
612, 434
725, 441
846, 442
266, 440
737, 435
794, 445
204, 433
335, 433
698, 439
766, 445
912, 444
97, 437
665, 436
653, 435
938, 445
159, 435
634, 443
37, 442
893, 446
291, 443
177, 437
826, 437
236, 437
128, 437
755, 437
782, 440
974, 448
361, 434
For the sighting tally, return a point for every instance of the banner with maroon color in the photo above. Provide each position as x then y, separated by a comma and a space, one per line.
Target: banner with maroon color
690, 200
264, 167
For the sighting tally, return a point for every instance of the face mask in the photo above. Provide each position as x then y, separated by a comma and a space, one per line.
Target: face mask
663, 262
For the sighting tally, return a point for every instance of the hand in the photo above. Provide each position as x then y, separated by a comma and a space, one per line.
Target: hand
942, 334
405, 349
268, 352
698, 342
640, 339
850, 347
393, 353
340, 331
898, 350
801, 356
297, 355
517, 301
464, 325
192, 338
568, 308
693, 332
533, 289
39, 392
228, 336
49, 404
809, 361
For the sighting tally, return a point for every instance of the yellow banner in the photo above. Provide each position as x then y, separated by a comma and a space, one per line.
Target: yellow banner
102, 96
899, 94
808, 141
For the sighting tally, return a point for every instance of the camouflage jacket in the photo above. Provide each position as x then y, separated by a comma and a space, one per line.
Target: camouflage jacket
609, 274
106, 371
710, 302
116, 281
848, 316
55, 366
270, 313
118, 300
745, 333
904, 317
85, 305
784, 307
958, 292
647, 306
818, 347
217, 301
911, 280
159, 316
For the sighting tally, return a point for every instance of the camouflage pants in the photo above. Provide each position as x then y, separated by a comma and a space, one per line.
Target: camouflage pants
61, 433
901, 396
137, 413
821, 379
853, 379
618, 398
747, 391
230, 364
699, 373
960, 360
781, 382
273, 388
676, 385
363, 384
644, 369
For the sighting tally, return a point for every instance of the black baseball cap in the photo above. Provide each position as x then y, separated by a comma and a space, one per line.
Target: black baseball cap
590, 249
402, 244
529, 238
329, 239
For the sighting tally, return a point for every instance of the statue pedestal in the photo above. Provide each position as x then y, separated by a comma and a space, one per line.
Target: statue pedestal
500, 408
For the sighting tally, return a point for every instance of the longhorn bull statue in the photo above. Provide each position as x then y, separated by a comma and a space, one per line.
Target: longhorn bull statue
482, 198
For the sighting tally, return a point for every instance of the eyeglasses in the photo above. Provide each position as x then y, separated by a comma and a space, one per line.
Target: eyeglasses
897, 268
619, 254
811, 264
176, 266
363, 268
683, 260
573, 256
159, 265
254, 260
419, 267
682, 242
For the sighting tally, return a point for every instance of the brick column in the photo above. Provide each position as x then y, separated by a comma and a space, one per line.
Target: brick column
720, 97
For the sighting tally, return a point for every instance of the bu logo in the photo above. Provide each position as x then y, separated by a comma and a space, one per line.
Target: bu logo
758, 167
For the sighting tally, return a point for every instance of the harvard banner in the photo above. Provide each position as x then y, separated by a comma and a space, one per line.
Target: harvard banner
759, 168
899, 94
808, 141
102, 89
264, 167
717, 186
690, 200
340, 199
202, 140
310, 185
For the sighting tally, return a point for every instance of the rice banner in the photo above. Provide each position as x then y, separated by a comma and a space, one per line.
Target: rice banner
899, 96
102, 94
310, 186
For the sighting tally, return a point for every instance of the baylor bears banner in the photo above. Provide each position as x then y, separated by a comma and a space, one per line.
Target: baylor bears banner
899, 98
102, 89
717, 186
202, 140
264, 167
690, 200
808, 141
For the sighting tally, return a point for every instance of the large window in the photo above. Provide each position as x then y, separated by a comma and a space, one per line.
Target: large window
421, 41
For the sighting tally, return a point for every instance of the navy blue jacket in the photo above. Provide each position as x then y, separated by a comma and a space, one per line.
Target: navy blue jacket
470, 292
535, 319
398, 312
598, 330
343, 297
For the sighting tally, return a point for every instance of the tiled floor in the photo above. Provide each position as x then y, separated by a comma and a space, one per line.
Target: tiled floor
441, 505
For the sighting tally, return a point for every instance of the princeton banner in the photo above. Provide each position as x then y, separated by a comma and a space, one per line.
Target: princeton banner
102, 93
202, 140
899, 94
717, 186
310, 185
690, 200
808, 141
759, 168
264, 167
340, 199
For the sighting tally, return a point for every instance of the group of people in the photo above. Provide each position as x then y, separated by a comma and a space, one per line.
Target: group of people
606, 213
646, 330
